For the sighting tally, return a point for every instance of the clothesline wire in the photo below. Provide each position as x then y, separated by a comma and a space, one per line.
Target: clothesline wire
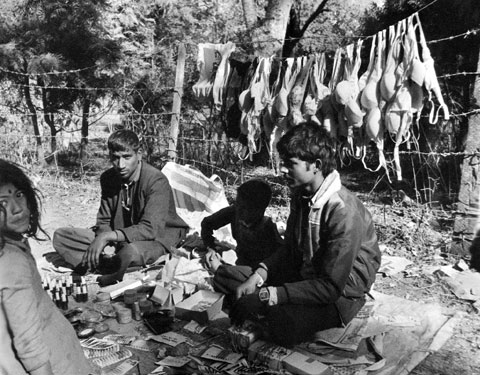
229, 141
126, 114
448, 75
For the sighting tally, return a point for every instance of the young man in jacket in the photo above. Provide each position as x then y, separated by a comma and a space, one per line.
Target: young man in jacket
319, 279
137, 216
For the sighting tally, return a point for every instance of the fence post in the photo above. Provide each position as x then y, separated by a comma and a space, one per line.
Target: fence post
177, 103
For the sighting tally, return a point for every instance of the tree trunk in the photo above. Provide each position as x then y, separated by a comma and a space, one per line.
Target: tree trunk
84, 129
468, 196
464, 238
36, 129
48, 116
249, 13
269, 37
50, 120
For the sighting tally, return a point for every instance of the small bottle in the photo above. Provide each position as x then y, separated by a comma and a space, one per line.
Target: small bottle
64, 302
137, 315
69, 285
84, 292
57, 300
78, 293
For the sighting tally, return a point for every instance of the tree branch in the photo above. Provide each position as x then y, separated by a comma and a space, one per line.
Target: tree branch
312, 17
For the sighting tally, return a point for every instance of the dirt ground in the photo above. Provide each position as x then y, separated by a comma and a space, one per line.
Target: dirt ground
411, 231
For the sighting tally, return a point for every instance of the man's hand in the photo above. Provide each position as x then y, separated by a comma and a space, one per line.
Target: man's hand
92, 255
213, 260
248, 287
246, 308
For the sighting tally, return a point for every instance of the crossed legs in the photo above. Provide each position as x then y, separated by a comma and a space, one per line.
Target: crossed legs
72, 243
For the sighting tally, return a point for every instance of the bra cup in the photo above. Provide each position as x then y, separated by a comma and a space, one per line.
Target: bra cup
344, 91
281, 102
245, 100
354, 113
369, 97
373, 123
418, 96
387, 85
418, 72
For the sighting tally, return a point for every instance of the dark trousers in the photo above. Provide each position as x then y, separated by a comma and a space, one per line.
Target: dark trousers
289, 324
72, 243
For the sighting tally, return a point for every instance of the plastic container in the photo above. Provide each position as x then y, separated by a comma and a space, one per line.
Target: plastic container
124, 316
130, 296
146, 306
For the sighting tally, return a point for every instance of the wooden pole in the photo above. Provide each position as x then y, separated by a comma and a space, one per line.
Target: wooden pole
177, 103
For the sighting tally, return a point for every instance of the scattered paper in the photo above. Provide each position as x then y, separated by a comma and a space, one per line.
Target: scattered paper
170, 338
194, 327
392, 265
217, 353
174, 361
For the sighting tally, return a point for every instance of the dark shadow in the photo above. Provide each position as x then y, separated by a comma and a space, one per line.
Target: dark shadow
57, 260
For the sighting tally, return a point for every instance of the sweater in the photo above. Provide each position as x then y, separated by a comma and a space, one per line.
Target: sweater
33, 330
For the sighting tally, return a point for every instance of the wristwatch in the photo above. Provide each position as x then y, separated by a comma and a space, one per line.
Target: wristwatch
264, 295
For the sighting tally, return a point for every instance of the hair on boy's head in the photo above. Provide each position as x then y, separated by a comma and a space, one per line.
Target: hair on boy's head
10, 173
122, 140
255, 193
308, 142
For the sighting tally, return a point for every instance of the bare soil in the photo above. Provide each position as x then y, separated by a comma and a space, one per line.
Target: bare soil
406, 229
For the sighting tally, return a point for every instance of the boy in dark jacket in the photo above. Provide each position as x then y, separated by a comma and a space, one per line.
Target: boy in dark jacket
137, 216
319, 279
256, 235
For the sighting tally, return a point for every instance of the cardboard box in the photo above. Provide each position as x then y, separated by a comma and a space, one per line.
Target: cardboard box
301, 364
268, 354
279, 358
201, 306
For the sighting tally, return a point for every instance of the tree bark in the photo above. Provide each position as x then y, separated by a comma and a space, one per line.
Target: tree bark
468, 197
49, 119
464, 238
34, 118
269, 37
294, 32
84, 129
249, 13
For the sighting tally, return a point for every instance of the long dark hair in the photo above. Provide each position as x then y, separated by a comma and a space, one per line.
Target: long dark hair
11, 173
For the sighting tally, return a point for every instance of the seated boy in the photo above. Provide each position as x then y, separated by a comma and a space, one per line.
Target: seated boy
256, 235
137, 216
319, 279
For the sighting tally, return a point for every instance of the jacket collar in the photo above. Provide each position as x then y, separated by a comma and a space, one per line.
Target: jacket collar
329, 186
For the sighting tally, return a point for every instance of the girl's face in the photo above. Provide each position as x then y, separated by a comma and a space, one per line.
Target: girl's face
16, 209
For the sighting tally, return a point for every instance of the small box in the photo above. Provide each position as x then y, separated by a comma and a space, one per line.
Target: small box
301, 364
268, 354
166, 295
201, 306
242, 337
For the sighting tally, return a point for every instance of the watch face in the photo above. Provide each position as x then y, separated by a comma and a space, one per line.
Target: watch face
264, 295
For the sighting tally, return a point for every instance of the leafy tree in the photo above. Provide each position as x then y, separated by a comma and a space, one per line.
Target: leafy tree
292, 27
51, 36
